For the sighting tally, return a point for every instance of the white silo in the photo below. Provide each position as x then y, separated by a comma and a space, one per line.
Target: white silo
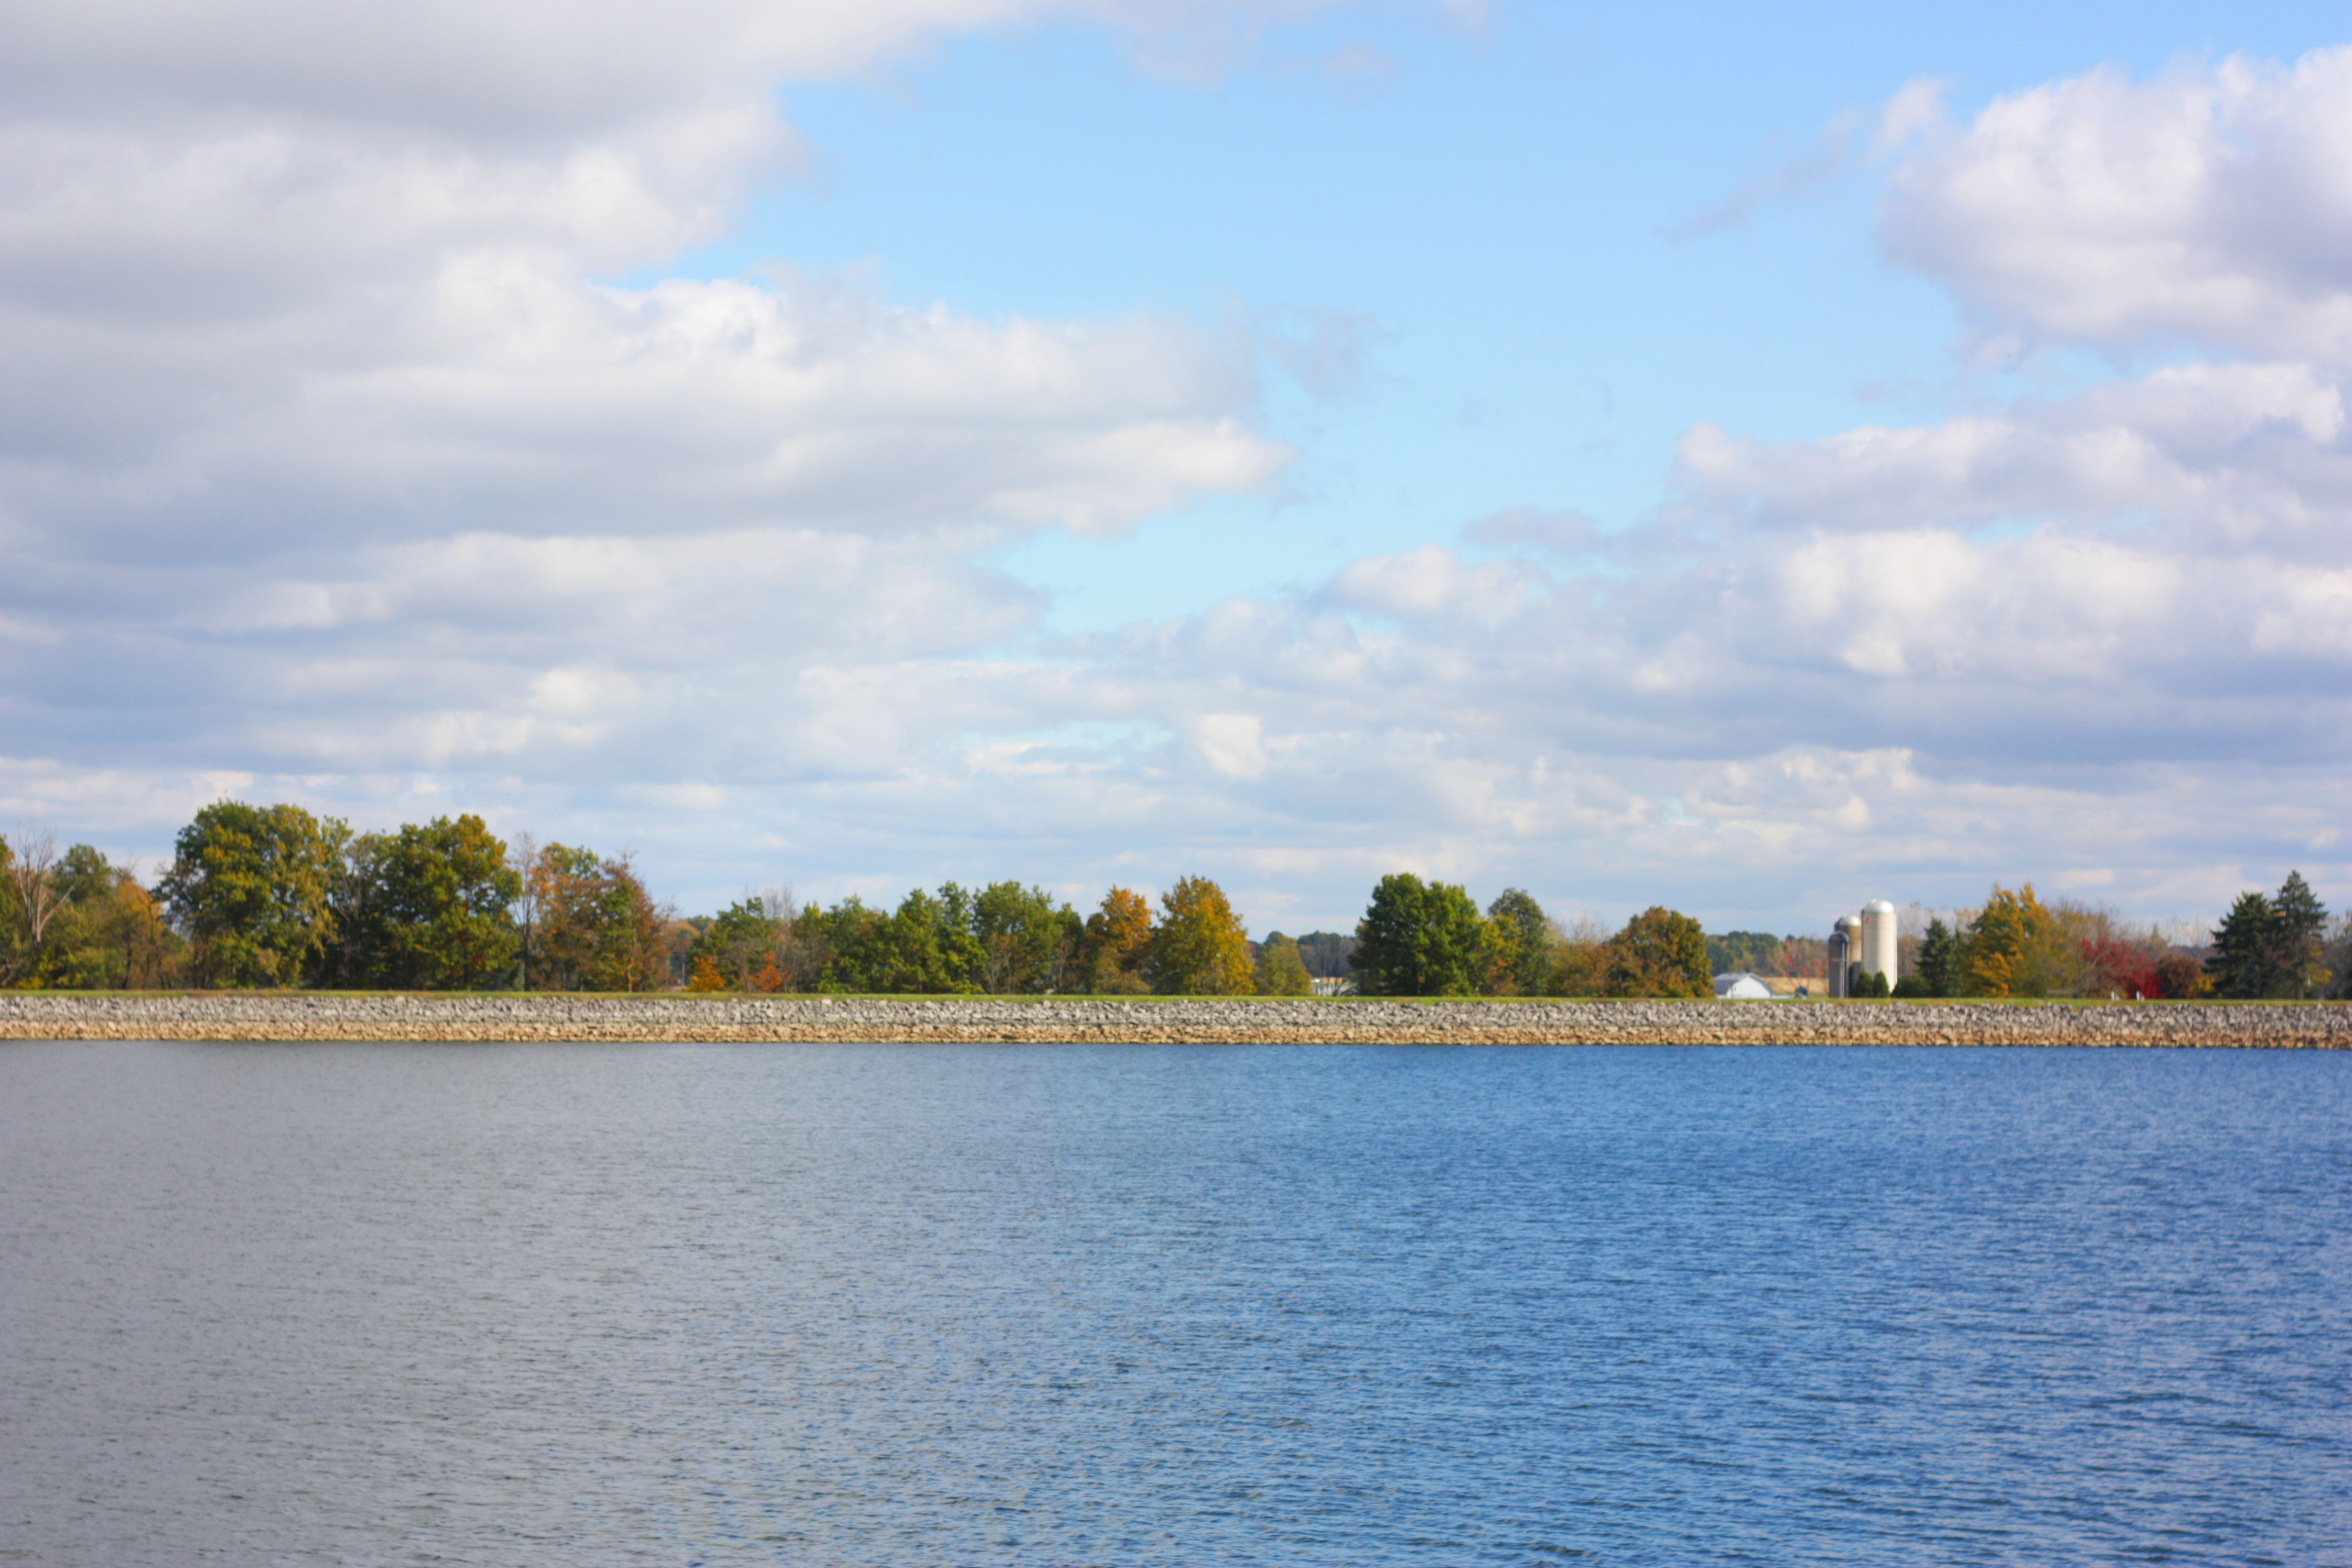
1878, 948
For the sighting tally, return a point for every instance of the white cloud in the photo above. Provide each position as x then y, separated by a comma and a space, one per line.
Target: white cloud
2212, 205
2244, 453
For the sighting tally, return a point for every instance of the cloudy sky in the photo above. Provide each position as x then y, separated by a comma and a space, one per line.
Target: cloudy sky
1673, 454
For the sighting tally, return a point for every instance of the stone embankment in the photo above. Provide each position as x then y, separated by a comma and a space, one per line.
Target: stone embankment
1349, 1021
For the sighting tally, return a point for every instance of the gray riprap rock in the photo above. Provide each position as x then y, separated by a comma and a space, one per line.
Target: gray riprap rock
302, 1015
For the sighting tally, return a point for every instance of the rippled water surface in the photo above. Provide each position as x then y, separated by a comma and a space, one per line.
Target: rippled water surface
1036, 1304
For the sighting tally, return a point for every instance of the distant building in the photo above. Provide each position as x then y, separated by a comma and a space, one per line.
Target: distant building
1742, 987
1862, 945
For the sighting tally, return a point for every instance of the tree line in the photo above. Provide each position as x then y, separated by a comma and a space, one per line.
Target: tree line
2278, 946
272, 896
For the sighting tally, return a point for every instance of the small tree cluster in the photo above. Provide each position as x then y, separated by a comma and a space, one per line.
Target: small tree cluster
1429, 938
2273, 947
75, 922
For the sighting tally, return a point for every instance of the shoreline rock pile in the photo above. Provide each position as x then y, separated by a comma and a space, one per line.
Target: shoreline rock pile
302, 1015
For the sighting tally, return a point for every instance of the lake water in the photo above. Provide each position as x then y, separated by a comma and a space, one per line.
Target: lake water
877, 1304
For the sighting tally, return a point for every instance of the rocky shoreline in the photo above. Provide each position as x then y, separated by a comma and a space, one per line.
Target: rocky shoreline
1257, 1021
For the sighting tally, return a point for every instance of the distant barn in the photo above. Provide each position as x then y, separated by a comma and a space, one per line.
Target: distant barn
1742, 987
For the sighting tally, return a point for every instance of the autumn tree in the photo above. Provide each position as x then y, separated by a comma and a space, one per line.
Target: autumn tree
597, 928
2181, 978
1281, 972
1659, 953
1580, 961
2004, 943
79, 951
35, 893
136, 937
1117, 943
1419, 939
1200, 947
739, 948
250, 884
98, 927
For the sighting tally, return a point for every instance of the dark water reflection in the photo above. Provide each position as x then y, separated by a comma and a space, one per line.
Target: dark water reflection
907, 1304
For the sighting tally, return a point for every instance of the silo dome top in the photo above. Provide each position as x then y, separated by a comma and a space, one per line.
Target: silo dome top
1878, 907
1845, 922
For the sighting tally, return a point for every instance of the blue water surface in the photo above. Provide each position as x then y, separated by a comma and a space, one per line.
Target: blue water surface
902, 1304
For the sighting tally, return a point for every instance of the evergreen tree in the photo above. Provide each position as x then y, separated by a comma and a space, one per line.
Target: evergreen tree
2244, 963
2297, 921
1937, 964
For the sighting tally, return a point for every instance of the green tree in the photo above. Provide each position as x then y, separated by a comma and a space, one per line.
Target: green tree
1937, 964
1520, 935
2298, 923
1027, 942
352, 956
250, 884
1200, 947
962, 958
925, 948
1747, 952
1659, 953
1418, 939
851, 940
2244, 963
1281, 972
441, 915
88, 946
1325, 953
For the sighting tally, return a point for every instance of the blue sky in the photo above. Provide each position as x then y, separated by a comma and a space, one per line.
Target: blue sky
1748, 462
